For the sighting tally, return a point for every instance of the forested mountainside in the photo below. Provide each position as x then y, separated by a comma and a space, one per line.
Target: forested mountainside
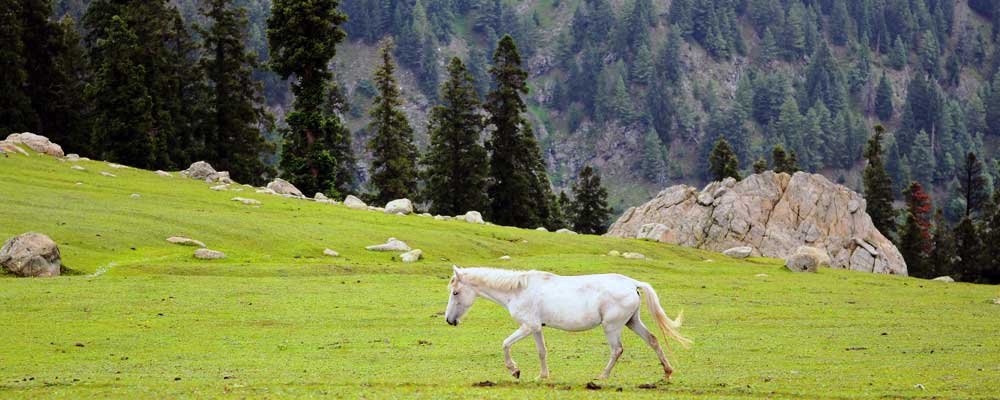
641, 89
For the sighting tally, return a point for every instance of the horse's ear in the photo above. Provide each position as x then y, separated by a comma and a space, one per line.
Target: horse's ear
458, 272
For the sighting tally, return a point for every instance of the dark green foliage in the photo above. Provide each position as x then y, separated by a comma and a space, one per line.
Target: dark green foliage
883, 99
782, 162
990, 272
899, 54
519, 187
456, 164
562, 213
394, 156
723, 162
973, 185
590, 204
915, 237
992, 122
878, 186
303, 37
15, 106
943, 253
233, 132
969, 250
760, 166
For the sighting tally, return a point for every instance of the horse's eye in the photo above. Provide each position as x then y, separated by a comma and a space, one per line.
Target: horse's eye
455, 293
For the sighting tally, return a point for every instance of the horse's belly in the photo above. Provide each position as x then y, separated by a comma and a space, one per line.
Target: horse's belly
579, 318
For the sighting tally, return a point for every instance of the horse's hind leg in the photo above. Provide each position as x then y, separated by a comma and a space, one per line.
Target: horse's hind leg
614, 334
636, 325
540, 343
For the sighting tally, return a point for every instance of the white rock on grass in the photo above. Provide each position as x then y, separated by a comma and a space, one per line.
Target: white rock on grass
614, 253
31, 255
135, 196
473, 217
392, 244
206, 254
442, 218
761, 275
944, 279
71, 157
164, 174
505, 258
353, 202
266, 191
412, 256
634, 256
283, 187
249, 202
183, 241
108, 174
541, 229
331, 253
738, 252
219, 188
425, 215
116, 166
78, 168
566, 231
320, 196
399, 206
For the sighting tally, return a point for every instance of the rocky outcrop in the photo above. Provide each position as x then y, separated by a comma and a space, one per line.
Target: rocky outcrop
283, 187
31, 254
473, 217
37, 143
774, 214
203, 171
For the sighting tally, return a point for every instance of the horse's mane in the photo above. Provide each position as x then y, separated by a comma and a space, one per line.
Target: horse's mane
503, 279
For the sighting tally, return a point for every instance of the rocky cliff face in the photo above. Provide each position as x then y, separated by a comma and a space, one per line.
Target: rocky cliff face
772, 213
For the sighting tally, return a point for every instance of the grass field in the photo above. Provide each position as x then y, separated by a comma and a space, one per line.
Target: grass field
143, 318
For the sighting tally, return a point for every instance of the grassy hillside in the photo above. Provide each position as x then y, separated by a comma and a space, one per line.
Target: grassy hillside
276, 318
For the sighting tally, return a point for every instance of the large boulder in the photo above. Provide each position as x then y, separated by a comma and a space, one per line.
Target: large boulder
473, 217
774, 214
283, 187
392, 244
399, 206
353, 202
739, 252
37, 143
203, 171
31, 254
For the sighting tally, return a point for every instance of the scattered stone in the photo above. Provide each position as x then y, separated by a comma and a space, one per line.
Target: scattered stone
392, 244
219, 188
411, 256
820, 255
249, 202
331, 253
355, 203
996, 301
738, 252
281, 186
78, 168
399, 206
108, 174
541, 229
566, 231
773, 213
505, 258
762, 275
203, 171
919, 386
634, 256
320, 196
206, 254
31, 254
802, 263
614, 253
164, 174
373, 208
425, 215
473, 217
135, 196
116, 166
37, 143
183, 241
72, 157
266, 191
944, 279
484, 384
442, 218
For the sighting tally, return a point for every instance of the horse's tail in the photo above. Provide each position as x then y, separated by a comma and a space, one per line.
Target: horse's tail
668, 326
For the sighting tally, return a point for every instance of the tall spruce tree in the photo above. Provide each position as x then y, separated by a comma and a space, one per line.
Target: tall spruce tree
722, 162
15, 105
303, 38
915, 237
519, 187
991, 266
234, 139
973, 185
456, 163
394, 156
878, 186
942, 255
970, 251
883, 99
590, 204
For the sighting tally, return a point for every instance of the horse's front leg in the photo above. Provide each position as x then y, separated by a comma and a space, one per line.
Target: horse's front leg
519, 334
542, 354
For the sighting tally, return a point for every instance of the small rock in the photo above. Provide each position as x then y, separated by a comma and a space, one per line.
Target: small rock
541, 229
473, 217
442, 218
738, 252
108, 174
705, 199
135, 196
355, 203
331, 253
283, 187
31, 255
505, 258
566, 231
919, 386
996, 301
116, 166
614, 253
761, 275
206, 254
266, 191
411, 256
249, 202
373, 208
425, 215
802, 263
183, 241
399, 206
944, 279
72, 157
634, 256
392, 244
219, 188
78, 168
164, 174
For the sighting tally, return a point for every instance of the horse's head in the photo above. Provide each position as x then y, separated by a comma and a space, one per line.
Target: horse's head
461, 298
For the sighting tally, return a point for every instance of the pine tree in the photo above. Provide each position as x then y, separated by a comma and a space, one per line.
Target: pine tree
723, 162
990, 273
590, 204
783, 162
883, 99
973, 185
15, 105
943, 253
878, 186
915, 237
921, 160
562, 215
519, 187
992, 108
236, 144
760, 166
969, 249
899, 54
303, 37
394, 170
456, 164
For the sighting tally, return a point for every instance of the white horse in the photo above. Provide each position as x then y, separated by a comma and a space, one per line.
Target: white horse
538, 299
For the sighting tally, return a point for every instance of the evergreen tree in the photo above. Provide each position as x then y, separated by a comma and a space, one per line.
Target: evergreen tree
15, 105
456, 164
921, 160
782, 162
991, 266
394, 170
760, 166
303, 38
883, 99
878, 186
992, 108
943, 252
590, 204
973, 185
723, 162
969, 250
234, 140
562, 215
915, 237
899, 55
519, 187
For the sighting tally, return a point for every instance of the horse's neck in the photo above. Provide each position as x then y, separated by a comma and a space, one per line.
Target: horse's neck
501, 297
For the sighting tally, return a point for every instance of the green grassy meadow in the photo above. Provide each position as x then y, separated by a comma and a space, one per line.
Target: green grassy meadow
141, 318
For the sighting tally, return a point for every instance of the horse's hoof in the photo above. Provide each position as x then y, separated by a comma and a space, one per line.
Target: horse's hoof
542, 377
516, 374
